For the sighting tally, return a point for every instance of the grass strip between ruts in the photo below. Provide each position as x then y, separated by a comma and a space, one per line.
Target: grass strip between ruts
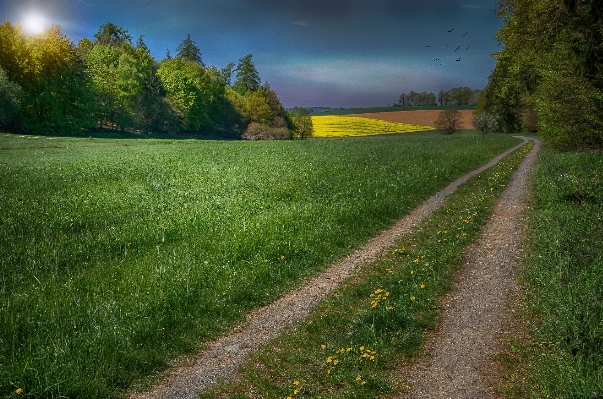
354, 343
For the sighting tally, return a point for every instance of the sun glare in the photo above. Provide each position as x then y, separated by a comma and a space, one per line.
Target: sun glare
34, 23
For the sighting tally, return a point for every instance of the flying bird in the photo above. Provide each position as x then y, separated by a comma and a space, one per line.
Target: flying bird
464, 34
427, 46
450, 30
458, 48
437, 59
459, 59
467, 48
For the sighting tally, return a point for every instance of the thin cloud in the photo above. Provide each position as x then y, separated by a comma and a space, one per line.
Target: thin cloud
302, 23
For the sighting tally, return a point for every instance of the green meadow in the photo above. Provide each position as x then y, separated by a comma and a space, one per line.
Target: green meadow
118, 255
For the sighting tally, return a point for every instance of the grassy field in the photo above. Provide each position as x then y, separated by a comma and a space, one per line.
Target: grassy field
116, 255
560, 355
355, 344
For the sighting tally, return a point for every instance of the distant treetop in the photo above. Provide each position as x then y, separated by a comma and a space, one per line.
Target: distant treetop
112, 35
188, 50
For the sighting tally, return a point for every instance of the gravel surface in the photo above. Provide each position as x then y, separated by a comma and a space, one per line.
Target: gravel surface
222, 357
473, 319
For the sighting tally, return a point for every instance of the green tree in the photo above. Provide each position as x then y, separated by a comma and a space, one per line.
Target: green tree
278, 115
449, 121
51, 76
302, 123
112, 35
248, 78
551, 64
140, 44
10, 96
188, 51
196, 93
226, 73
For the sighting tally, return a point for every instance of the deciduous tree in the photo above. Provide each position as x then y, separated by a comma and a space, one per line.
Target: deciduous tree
302, 123
449, 120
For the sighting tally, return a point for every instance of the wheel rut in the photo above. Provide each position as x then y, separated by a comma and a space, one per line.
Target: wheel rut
222, 357
473, 316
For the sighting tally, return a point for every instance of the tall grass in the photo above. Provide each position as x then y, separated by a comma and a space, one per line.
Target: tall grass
564, 277
116, 255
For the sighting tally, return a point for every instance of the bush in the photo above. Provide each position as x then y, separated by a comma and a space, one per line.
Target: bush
485, 122
449, 121
255, 131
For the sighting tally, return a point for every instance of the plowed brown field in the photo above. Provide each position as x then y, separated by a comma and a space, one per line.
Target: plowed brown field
420, 117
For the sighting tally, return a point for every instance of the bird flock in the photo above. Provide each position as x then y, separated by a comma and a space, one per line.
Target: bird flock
459, 47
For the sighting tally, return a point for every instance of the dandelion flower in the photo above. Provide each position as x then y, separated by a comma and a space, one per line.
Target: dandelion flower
358, 378
422, 285
362, 348
335, 362
412, 297
19, 391
323, 346
296, 382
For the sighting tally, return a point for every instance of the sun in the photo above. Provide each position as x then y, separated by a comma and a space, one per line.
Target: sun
34, 23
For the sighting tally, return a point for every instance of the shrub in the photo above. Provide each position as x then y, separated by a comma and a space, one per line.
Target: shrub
255, 131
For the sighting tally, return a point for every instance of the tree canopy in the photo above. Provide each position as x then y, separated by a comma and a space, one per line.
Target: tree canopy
110, 34
549, 74
48, 84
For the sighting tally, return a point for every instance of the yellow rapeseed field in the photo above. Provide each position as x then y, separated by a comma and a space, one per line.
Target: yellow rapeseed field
338, 126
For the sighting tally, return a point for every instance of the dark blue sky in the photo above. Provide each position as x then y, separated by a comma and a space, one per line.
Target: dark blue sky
313, 52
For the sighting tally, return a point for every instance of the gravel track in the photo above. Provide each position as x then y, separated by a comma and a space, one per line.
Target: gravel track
223, 356
473, 318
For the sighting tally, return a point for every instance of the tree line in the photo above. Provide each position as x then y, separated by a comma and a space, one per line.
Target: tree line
549, 75
48, 84
453, 97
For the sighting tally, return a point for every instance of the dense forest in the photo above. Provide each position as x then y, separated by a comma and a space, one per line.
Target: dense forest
549, 75
49, 85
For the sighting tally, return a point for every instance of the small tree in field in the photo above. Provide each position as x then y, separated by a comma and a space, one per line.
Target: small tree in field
302, 123
449, 121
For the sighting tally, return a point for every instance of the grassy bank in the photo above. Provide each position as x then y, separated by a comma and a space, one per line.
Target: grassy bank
355, 344
561, 353
116, 255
